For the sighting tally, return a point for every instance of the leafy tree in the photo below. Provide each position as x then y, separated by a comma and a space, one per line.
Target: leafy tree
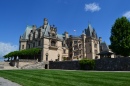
120, 37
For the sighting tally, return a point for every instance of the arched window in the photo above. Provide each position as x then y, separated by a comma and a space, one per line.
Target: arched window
80, 46
53, 43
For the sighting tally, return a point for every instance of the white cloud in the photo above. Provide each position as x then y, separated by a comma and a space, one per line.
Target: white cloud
127, 14
92, 7
5, 48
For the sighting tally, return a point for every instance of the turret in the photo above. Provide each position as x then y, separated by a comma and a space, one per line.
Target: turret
34, 28
100, 40
66, 35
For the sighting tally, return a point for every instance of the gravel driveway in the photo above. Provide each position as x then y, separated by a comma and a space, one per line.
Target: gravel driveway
5, 82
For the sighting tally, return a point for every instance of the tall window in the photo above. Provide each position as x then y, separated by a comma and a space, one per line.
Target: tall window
39, 43
46, 57
33, 44
39, 34
28, 45
22, 46
64, 51
75, 53
95, 51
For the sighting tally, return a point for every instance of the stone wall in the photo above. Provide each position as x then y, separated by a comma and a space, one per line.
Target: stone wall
106, 64
113, 64
69, 65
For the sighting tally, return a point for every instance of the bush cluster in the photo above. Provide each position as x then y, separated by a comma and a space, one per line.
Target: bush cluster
86, 64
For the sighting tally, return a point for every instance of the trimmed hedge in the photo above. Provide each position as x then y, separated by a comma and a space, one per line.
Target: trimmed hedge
86, 64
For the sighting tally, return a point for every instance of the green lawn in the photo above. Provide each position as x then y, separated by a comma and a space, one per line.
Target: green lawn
66, 78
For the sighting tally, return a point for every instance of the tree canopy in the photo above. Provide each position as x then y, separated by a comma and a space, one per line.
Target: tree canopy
120, 37
30, 52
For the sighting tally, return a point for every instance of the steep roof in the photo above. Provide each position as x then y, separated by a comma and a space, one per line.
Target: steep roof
90, 32
27, 31
46, 30
104, 46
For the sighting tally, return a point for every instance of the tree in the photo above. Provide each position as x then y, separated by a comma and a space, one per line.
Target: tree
120, 37
27, 52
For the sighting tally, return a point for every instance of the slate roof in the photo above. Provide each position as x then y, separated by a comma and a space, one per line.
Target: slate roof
90, 32
27, 31
104, 46
45, 32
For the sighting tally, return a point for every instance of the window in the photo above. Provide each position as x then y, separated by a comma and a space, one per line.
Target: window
95, 51
39, 43
75, 42
95, 45
46, 57
53, 43
64, 51
33, 44
29, 36
101, 48
39, 34
34, 35
90, 51
53, 35
75, 53
22, 46
28, 45
36, 43
75, 47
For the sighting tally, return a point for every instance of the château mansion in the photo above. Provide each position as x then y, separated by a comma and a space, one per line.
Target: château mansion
58, 47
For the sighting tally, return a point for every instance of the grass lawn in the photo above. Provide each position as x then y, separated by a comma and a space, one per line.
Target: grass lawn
66, 78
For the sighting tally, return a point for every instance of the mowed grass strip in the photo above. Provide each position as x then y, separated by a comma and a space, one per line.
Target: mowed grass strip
66, 78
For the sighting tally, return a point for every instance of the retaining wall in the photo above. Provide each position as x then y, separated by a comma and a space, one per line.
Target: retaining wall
105, 64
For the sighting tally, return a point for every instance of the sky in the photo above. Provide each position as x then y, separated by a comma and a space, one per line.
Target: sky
66, 15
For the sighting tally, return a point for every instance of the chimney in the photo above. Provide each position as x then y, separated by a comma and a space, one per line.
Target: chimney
66, 35
34, 27
100, 40
45, 23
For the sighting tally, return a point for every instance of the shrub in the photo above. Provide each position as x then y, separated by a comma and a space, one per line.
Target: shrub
64, 58
86, 64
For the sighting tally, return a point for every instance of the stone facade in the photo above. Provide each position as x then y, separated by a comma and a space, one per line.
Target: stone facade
59, 47
46, 38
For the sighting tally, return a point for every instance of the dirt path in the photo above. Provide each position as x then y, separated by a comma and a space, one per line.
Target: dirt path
5, 82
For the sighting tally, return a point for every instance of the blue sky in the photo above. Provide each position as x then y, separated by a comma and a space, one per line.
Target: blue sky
66, 15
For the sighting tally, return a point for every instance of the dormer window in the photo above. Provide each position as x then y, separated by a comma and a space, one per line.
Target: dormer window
53, 35
53, 43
